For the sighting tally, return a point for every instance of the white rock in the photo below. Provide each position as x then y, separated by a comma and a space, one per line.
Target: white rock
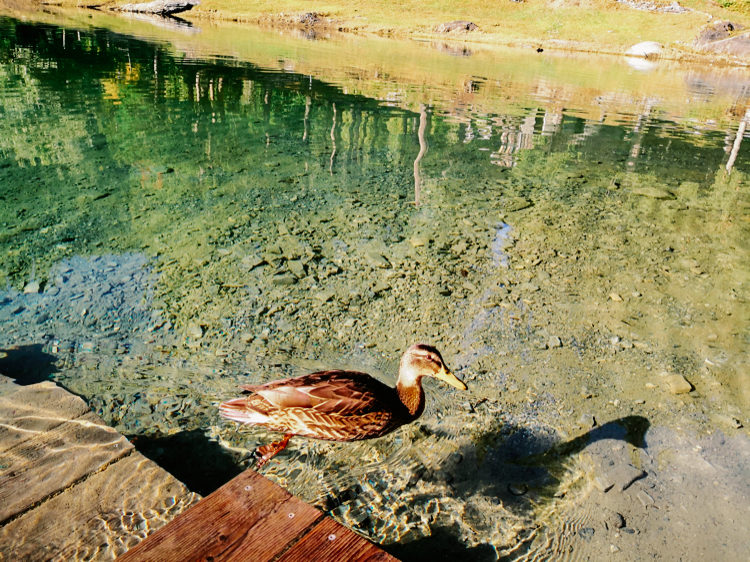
646, 49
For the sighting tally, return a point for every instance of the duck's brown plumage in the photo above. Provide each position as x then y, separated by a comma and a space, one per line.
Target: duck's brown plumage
341, 405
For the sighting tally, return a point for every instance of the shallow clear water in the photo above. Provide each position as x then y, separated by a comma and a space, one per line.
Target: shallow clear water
201, 210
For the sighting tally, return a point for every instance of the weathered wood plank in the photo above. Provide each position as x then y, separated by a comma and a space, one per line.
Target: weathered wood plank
53, 460
249, 518
330, 541
7, 386
33, 409
100, 517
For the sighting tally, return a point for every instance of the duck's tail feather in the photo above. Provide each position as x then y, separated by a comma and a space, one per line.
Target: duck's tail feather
238, 411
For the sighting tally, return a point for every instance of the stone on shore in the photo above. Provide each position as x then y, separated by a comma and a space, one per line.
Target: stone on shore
645, 49
458, 25
160, 7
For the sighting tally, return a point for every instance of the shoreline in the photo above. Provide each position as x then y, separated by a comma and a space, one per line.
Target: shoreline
497, 31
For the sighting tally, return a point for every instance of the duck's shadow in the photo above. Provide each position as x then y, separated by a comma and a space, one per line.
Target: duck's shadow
519, 467
190, 456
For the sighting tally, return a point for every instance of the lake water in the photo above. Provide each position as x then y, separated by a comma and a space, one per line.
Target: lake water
185, 210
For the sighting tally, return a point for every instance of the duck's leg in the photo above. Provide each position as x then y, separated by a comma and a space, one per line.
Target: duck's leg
265, 453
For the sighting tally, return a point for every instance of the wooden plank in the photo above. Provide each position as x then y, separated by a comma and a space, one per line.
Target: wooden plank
53, 460
7, 386
33, 409
330, 541
100, 517
249, 518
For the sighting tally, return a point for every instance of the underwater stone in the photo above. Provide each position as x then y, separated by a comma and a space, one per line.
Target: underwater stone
653, 192
376, 259
512, 204
728, 421
677, 384
614, 520
31, 288
587, 421
252, 261
586, 533
283, 279
625, 474
297, 268
645, 498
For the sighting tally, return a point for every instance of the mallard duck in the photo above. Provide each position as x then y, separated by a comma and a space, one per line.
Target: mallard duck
339, 405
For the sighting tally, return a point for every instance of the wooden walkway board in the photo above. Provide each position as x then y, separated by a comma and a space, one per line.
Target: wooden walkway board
99, 518
34, 409
251, 518
50, 462
330, 541
72, 487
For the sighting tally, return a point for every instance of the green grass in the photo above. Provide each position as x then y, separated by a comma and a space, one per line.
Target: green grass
603, 24
596, 25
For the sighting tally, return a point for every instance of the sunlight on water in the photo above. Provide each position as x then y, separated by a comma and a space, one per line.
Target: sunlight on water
572, 235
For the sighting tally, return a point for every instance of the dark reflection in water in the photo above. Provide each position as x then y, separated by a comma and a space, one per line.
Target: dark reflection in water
98, 111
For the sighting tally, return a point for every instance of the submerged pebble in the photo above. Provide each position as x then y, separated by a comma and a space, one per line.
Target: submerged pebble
195, 331
31, 288
677, 384
587, 533
587, 421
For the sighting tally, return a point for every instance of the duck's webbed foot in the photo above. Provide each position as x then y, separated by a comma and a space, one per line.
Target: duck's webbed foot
265, 453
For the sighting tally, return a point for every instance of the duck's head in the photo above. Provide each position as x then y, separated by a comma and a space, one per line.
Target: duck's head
422, 360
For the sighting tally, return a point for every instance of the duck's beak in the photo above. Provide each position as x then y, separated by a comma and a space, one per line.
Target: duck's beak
446, 376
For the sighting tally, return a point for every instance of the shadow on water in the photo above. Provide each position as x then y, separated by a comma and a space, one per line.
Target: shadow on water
190, 456
27, 364
522, 468
441, 544
631, 429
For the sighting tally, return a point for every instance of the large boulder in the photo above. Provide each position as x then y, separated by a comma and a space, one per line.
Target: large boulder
716, 32
160, 7
458, 25
724, 38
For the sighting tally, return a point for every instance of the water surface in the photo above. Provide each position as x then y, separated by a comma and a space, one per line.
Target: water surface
185, 211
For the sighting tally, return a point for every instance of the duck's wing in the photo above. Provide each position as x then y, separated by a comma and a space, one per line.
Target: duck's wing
327, 392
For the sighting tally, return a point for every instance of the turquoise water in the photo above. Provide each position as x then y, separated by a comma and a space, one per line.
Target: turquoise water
175, 224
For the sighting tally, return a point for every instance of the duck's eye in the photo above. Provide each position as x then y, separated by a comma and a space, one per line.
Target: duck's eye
423, 357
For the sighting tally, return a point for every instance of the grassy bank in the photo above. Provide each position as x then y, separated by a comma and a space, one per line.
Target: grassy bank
589, 25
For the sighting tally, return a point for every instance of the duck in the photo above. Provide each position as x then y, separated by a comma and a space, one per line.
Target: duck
339, 405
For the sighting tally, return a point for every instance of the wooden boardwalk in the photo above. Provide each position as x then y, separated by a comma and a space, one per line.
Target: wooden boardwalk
70, 486
251, 518
73, 488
